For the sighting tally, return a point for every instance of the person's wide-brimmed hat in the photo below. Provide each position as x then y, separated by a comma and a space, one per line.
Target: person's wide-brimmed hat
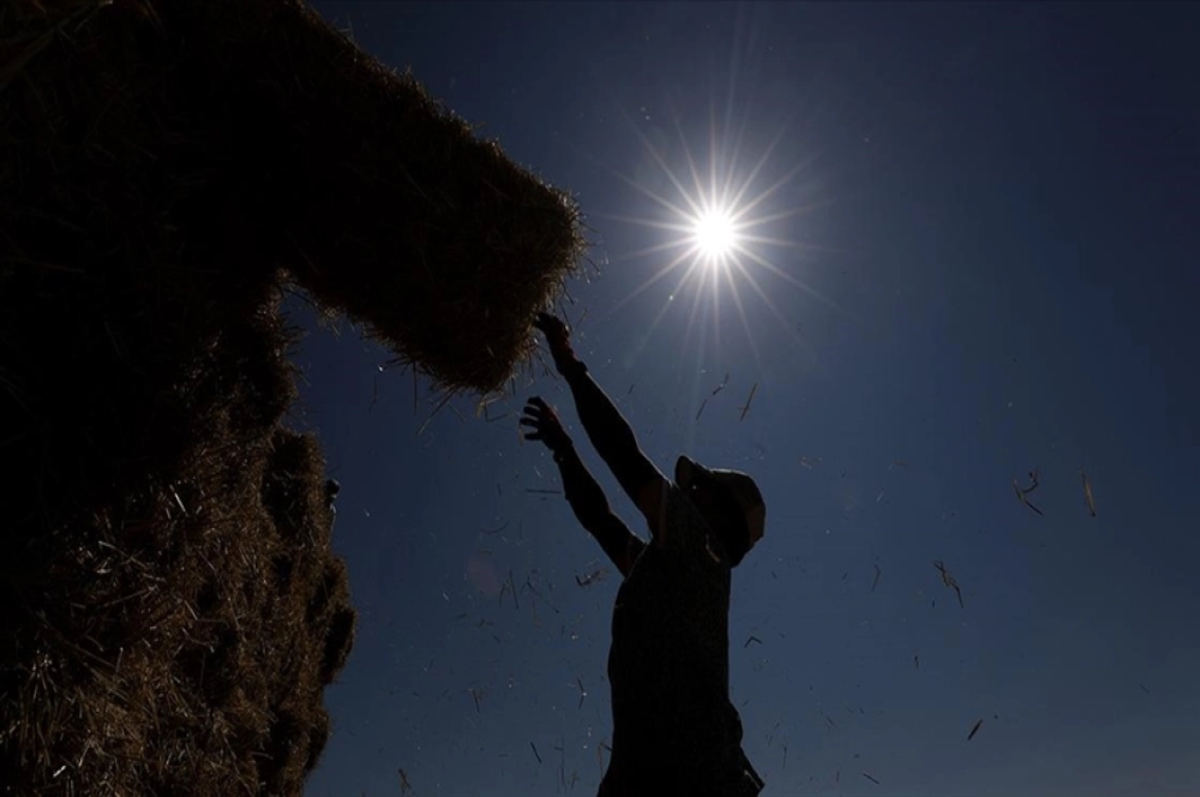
739, 486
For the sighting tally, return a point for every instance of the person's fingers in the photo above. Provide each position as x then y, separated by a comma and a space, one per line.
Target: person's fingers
533, 435
530, 422
551, 325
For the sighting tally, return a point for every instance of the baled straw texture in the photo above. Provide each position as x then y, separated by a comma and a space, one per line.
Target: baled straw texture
380, 202
170, 607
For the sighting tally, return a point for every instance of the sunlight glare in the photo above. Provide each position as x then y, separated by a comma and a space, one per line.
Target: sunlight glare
715, 235
714, 222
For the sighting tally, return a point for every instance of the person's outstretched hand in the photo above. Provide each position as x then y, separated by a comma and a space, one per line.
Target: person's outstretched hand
546, 426
559, 339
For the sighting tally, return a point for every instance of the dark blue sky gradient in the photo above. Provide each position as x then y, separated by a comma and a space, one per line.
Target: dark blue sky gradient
996, 223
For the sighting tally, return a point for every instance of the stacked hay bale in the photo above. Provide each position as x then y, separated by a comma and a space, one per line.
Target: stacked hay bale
170, 606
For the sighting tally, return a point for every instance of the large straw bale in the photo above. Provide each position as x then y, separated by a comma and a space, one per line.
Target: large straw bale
170, 606
386, 205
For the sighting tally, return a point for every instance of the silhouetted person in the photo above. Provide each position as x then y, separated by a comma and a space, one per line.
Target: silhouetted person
675, 732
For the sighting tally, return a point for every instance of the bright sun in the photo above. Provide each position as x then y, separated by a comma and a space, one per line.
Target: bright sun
716, 231
715, 235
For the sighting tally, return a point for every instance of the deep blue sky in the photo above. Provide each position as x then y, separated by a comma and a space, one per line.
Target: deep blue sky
996, 219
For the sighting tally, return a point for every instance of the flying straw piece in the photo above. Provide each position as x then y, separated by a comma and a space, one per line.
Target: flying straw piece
771, 735
703, 404
445, 399
948, 580
752, 639
600, 748
529, 584
1087, 493
489, 419
868, 777
974, 730
721, 386
405, 786
535, 752
750, 398
875, 583
592, 577
1022, 494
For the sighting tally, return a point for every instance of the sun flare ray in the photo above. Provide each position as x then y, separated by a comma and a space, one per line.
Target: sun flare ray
663, 272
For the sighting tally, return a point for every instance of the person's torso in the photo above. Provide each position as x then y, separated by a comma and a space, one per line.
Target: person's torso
669, 661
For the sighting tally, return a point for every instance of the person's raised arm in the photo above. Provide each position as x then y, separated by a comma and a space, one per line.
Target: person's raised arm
609, 432
584, 494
